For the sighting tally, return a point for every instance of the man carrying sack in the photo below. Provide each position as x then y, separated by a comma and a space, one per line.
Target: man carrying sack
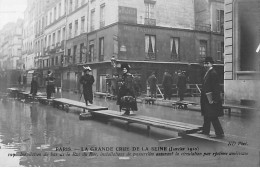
211, 103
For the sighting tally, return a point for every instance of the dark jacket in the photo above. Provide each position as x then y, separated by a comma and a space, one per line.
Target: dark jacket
127, 89
152, 81
34, 87
182, 81
87, 81
211, 84
167, 80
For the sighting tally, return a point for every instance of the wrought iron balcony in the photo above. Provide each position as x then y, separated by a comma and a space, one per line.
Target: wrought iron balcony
149, 21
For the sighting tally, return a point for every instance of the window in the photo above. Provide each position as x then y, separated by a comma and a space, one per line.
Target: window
76, 4
102, 15
50, 17
53, 39
49, 40
82, 24
70, 30
74, 54
149, 14
149, 10
69, 55
63, 33
52, 61
220, 21
59, 10
58, 38
81, 53
175, 48
91, 50
203, 48
56, 60
70, 6
55, 12
92, 20
76, 27
101, 49
220, 50
150, 47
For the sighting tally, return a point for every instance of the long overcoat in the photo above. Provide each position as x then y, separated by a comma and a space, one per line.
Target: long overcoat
127, 89
87, 81
211, 84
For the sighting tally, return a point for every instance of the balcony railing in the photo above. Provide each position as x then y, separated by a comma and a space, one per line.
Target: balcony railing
150, 56
203, 27
149, 21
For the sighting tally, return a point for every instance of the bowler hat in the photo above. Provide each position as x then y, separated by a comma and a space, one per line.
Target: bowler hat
87, 68
208, 60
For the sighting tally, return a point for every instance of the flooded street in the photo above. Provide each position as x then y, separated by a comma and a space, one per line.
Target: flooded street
40, 135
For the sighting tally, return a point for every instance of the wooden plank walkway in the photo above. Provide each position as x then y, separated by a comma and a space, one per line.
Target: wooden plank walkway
241, 107
182, 104
63, 102
181, 128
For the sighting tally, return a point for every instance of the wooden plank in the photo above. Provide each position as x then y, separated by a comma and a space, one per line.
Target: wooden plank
139, 119
79, 104
226, 106
170, 121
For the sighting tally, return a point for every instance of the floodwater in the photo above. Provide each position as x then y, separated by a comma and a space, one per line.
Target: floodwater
33, 134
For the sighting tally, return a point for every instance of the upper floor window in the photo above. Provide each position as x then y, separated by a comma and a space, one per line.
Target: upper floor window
150, 47
58, 38
92, 20
101, 49
76, 4
149, 10
175, 48
82, 24
70, 6
220, 50
59, 10
55, 12
102, 15
70, 30
76, 27
53, 39
50, 17
220, 21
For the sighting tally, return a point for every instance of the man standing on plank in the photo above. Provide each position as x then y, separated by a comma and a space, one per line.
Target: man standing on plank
211, 103
87, 81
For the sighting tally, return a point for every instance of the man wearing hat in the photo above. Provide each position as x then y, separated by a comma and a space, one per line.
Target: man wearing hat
126, 95
211, 103
87, 81
50, 87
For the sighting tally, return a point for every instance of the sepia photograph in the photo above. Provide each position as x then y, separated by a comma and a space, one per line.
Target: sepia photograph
129, 83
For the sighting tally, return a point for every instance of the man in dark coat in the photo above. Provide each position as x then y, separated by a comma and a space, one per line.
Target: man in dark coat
152, 81
34, 86
126, 95
87, 81
50, 85
211, 103
181, 84
167, 85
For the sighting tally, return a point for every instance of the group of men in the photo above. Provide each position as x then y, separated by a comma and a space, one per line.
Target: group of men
167, 85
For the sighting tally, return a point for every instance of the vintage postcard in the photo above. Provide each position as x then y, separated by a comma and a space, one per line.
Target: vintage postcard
129, 83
